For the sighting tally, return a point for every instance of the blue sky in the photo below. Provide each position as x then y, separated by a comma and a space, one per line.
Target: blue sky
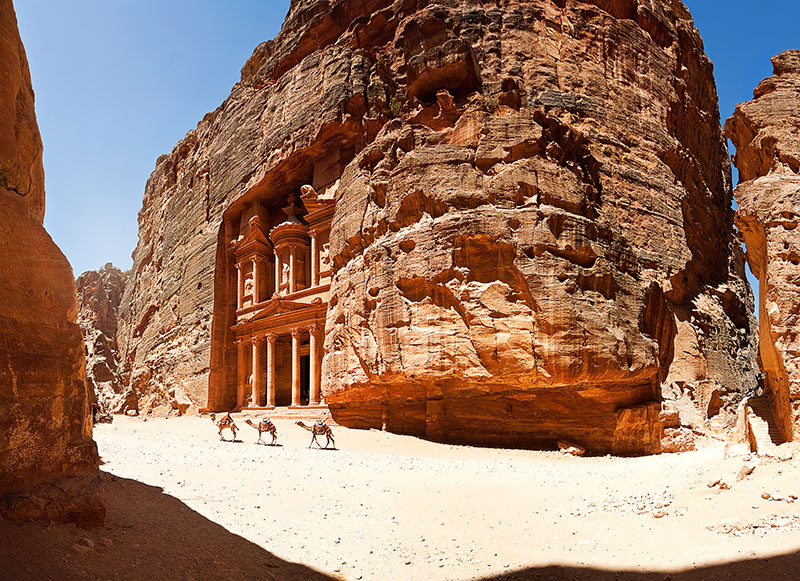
119, 82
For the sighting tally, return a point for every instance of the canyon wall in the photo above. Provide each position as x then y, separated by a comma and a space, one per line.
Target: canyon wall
542, 238
48, 460
533, 232
766, 133
99, 294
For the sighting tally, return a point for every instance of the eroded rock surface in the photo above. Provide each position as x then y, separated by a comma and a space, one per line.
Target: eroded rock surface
533, 228
766, 133
99, 295
48, 460
543, 236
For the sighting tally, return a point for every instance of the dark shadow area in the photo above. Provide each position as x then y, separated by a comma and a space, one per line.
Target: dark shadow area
148, 535
779, 567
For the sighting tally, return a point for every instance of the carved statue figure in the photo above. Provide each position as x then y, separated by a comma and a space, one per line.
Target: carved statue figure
324, 256
248, 285
308, 191
285, 273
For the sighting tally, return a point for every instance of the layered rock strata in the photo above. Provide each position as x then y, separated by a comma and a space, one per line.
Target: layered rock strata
533, 229
48, 460
766, 133
543, 237
99, 295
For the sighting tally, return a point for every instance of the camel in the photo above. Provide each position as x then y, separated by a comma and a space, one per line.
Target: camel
318, 429
223, 423
265, 425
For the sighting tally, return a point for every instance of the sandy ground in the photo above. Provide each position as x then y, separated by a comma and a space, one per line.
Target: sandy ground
184, 505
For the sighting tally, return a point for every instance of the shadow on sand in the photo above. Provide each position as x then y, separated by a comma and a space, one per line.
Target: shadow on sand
777, 567
148, 535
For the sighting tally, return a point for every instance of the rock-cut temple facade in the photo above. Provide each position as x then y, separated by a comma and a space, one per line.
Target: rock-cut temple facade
282, 277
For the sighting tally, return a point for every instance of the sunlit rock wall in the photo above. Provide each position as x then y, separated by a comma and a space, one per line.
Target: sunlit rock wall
766, 133
543, 234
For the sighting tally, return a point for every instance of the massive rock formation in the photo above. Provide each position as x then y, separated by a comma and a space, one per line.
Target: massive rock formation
533, 230
99, 295
766, 133
48, 460
544, 236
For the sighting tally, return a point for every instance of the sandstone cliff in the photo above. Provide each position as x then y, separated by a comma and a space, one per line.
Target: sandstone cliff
48, 460
533, 231
766, 133
544, 236
99, 295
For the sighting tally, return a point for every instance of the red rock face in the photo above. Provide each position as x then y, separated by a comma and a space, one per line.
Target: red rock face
99, 295
48, 460
533, 229
766, 133
542, 235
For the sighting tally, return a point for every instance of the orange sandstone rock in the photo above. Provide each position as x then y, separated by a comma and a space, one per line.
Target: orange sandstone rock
48, 460
533, 228
99, 295
766, 133
543, 236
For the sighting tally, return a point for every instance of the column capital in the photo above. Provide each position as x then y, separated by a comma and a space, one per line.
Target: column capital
272, 337
313, 329
256, 340
238, 265
296, 333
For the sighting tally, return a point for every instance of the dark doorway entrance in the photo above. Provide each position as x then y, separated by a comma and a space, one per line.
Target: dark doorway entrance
304, 383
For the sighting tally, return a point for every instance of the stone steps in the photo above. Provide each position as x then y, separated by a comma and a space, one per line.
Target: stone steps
763, 429
305, 413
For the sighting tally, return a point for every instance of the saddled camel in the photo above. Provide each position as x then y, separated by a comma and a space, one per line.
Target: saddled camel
265, 425
226, 422
318, 429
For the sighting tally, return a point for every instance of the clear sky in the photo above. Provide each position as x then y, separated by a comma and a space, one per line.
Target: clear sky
119, 82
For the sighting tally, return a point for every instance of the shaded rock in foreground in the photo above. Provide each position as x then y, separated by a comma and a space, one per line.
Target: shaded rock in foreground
48, 460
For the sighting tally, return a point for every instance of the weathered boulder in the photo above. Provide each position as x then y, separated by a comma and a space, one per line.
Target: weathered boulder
766, 133
99, 294
533, 228
543, 236
48, 460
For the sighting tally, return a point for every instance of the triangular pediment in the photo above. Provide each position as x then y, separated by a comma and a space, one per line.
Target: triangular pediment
253, 239
278, 306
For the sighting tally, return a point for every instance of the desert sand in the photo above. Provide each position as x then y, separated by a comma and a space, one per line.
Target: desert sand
185, 505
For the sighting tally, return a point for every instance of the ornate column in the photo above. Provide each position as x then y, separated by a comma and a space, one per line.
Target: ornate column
295, 367
313, 359
277, 273
292, 261
271, 338
241, 372
257, 398
314, 260
239, 283
256, 285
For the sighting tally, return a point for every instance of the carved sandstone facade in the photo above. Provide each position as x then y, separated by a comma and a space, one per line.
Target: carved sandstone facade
282, 282
531, 241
